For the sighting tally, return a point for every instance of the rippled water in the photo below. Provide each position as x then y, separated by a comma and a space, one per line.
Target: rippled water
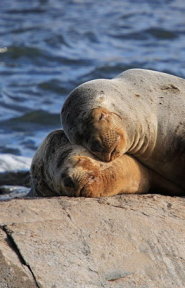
48, 47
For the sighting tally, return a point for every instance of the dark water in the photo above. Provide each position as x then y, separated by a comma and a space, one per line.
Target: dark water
48, 47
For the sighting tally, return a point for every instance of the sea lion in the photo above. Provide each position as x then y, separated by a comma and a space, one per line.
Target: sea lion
61, 168
139, 112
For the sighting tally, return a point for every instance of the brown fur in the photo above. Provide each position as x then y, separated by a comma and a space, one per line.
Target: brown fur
60, 168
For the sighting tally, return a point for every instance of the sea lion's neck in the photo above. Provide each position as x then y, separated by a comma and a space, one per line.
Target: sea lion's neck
142, 135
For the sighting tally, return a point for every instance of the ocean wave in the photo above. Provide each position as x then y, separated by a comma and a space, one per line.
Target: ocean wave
49, 47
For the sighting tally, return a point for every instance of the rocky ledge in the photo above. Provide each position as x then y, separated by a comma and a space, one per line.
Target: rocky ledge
122, 241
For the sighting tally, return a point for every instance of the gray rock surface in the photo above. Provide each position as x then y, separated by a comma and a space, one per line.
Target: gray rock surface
20, 177
124, 241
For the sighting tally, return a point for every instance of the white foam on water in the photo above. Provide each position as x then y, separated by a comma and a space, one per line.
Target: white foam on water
10, 162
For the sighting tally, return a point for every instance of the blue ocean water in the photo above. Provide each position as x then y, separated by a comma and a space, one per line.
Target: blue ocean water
48, 47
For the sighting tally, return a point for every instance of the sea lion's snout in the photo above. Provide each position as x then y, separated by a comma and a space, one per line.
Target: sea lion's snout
81, 178
104, 135
108, 149
110, 156
77, 186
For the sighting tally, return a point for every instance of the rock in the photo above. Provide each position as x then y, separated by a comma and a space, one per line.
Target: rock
123, 241
13, 273
8, 192
15, 178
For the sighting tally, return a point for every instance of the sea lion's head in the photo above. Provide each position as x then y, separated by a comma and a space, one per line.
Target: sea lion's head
89, 118
80, 176
102, 134
65, 169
